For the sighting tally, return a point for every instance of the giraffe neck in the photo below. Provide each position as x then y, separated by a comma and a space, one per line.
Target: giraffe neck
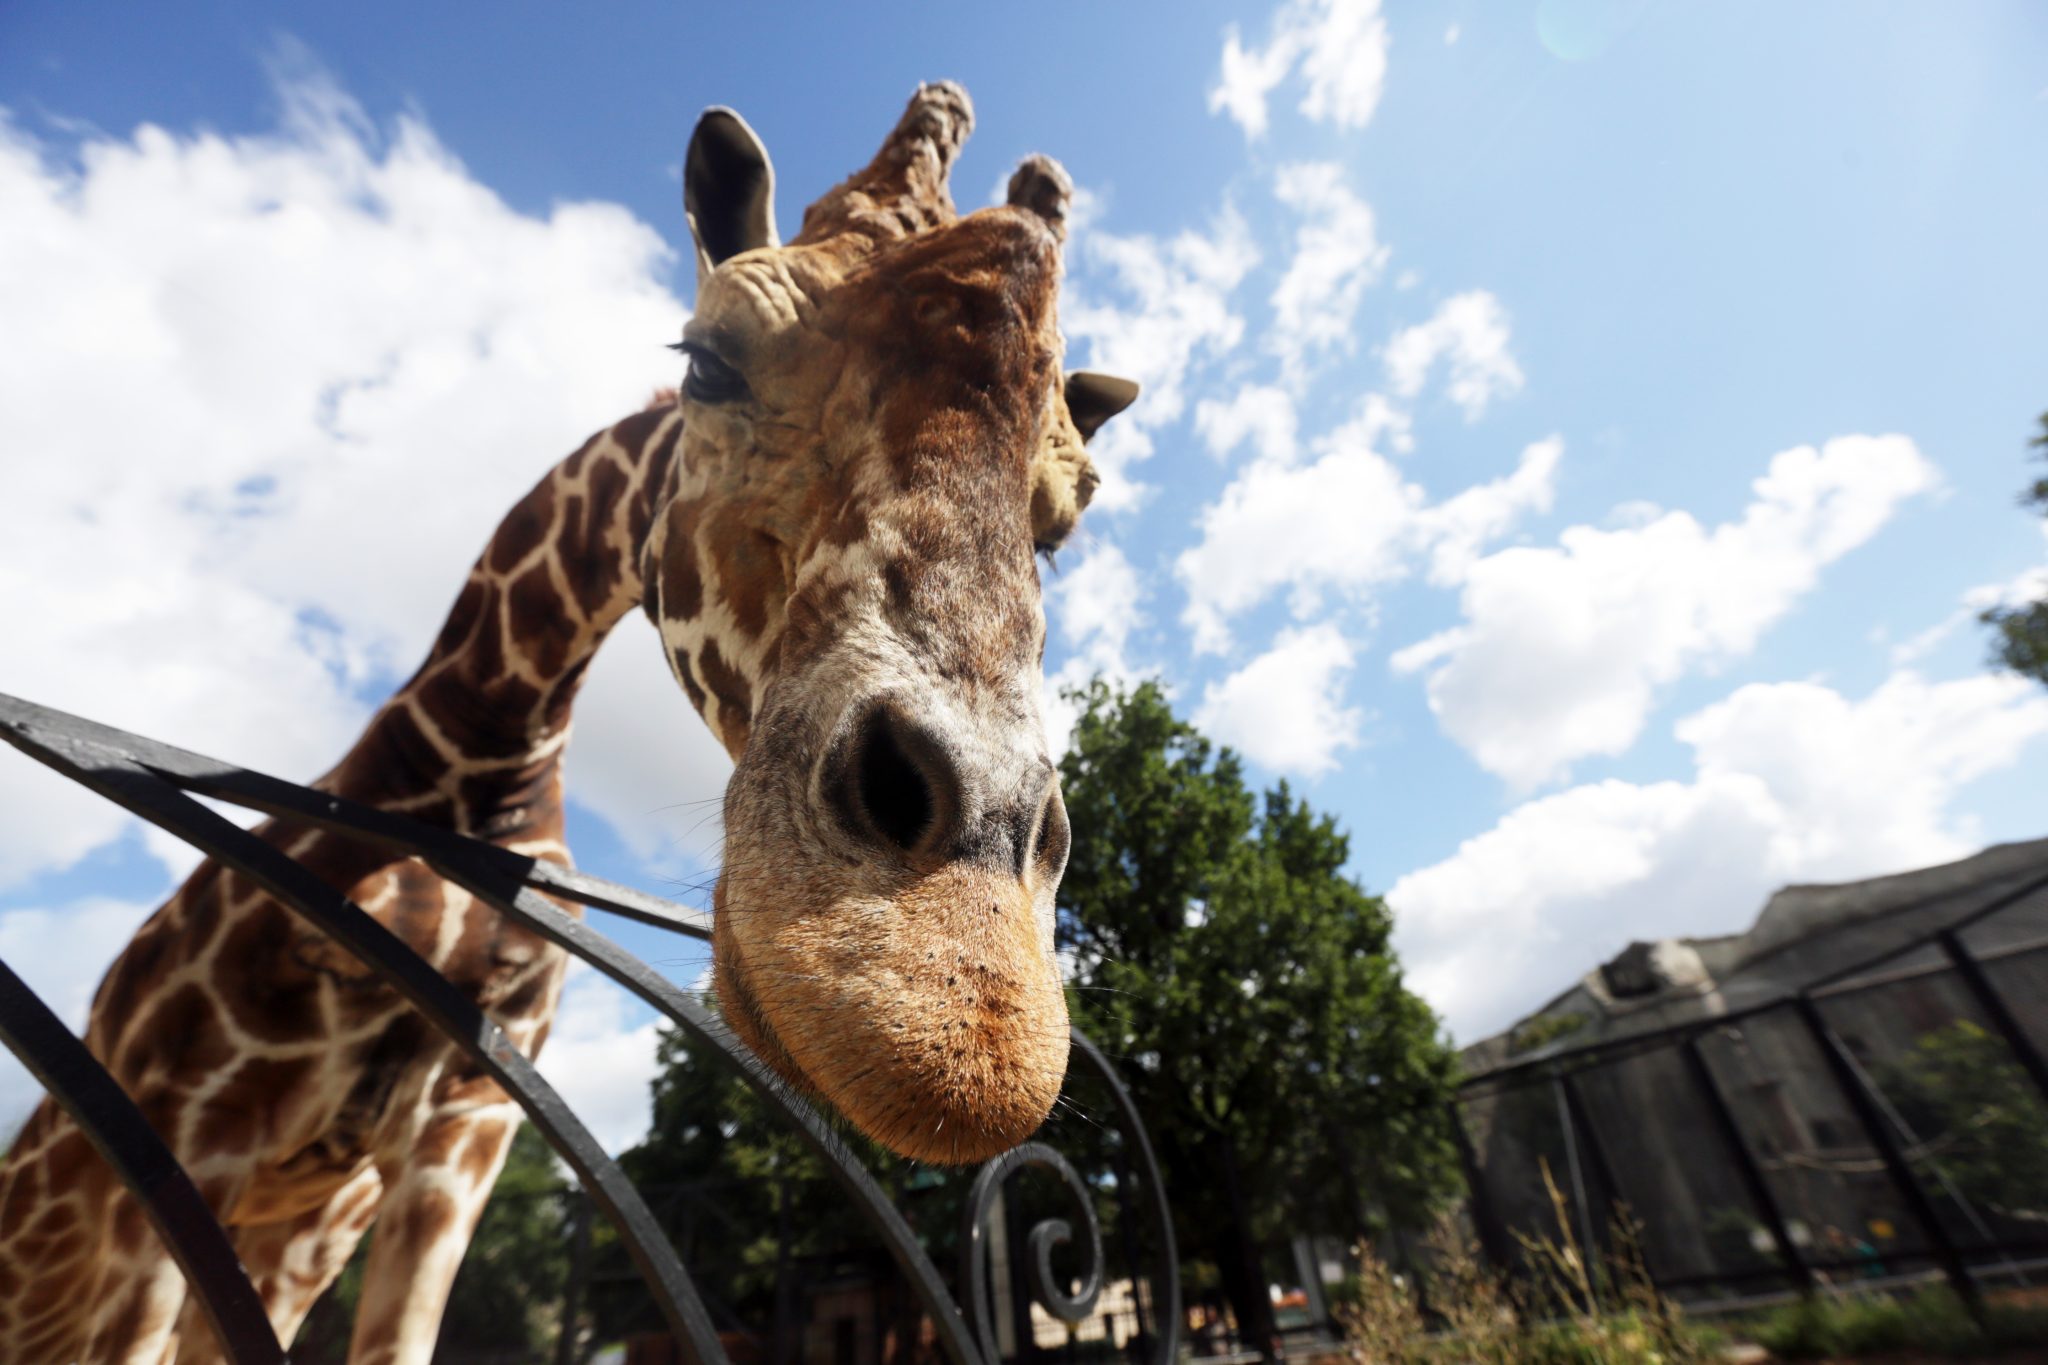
474, 740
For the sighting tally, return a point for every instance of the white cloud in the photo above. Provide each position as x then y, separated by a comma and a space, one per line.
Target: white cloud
1151, 310
1458, 528
2018, 590
268, 396
1094, 605
1284, 710
1344, 522
2029, 585
61, 953
1337, 256
1562, 649
1792, 782
1248, 77
1470, 332
642, 758
1339, 48
1258, 413
600, 1057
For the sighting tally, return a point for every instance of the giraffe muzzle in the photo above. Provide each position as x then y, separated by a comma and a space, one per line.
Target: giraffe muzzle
903, 968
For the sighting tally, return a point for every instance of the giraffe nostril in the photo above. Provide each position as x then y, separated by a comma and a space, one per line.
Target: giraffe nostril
897, 786
1053, 836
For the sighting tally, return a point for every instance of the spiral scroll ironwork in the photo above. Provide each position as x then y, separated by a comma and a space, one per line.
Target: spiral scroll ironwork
159, 783
1069, 1307
1043, 1237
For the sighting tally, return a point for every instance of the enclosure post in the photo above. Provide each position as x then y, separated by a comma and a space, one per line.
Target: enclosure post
1849, 1077
1995, 1009
1493, 1238
1760, 1192
579, 1277
1571, 1156
1020, 1279
1127, 1222
778, 1349
1596, 1148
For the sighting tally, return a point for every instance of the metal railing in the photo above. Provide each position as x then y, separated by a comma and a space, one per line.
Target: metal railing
160, 784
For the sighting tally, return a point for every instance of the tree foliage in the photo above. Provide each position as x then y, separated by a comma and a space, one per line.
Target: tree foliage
2019, 638
750, 1207
507, 1296
1962, 1084
1290, 1080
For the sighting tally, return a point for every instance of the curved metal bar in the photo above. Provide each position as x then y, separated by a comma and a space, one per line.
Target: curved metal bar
148, 795
1167, 1349
120, 1133
533, 910
21, 722
508, 882
501, 880
1043, 1237
571, 884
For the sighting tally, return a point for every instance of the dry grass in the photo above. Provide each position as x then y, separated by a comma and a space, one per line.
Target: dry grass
1577, 1309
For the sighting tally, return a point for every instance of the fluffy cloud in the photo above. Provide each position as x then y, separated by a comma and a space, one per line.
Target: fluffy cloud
1338, 46
1459, 527
60, 952
1345, 522
1094, 606
1151, 310
1792, 782
642, 758
1562, 649
1469, 334
1284, 709
269, 395
1257, 413
1337, 256
2029, 585
600, 1057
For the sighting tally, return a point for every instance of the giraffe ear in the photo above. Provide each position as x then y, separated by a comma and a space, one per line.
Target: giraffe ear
1095, 398
728, 190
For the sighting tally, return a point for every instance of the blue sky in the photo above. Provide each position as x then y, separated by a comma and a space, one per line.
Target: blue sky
1576, 434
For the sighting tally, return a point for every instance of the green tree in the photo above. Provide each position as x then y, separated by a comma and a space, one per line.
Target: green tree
1290, 1081
507, 1299
2019, 638
1962, 1085
751, 1209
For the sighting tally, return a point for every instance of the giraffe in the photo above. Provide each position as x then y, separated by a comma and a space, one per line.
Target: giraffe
834, 525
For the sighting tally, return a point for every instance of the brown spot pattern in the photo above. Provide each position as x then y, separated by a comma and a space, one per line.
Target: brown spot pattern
939, 351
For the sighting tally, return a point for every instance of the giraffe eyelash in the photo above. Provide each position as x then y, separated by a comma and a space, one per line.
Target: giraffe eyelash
710, 379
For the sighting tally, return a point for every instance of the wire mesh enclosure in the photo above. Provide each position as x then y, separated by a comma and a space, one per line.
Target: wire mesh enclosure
1071, 1229
1885, 1121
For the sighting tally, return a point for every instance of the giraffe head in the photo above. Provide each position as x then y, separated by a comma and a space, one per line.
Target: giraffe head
878, 440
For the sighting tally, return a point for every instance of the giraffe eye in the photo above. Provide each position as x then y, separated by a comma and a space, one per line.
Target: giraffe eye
711, 380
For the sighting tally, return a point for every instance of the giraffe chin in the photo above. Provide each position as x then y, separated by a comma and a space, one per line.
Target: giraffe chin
944, 1036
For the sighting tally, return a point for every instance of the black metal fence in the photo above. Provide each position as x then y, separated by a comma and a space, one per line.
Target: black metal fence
160, 783
1884, 1124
